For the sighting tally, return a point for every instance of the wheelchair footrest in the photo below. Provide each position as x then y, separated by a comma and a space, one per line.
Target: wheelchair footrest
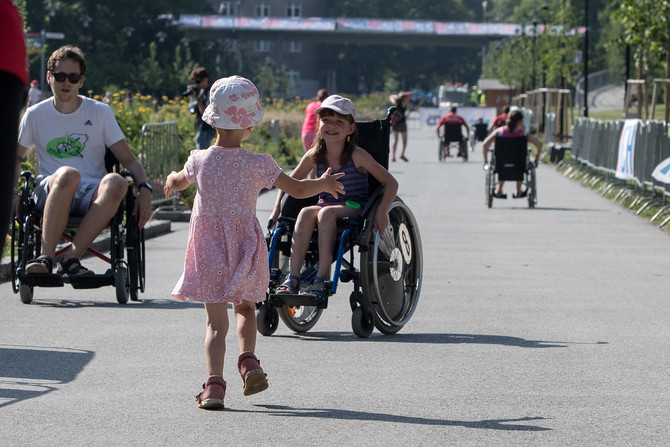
92, 281
298, 300
46, 280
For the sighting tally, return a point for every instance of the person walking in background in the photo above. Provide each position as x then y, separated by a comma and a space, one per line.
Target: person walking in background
309, 125
14, 78
399, 128
199, 92
227, 256
34, 94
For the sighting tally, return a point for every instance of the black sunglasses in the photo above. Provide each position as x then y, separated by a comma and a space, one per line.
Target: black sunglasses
72, 77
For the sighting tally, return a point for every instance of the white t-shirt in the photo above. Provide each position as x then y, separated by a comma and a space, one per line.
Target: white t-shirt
77, 139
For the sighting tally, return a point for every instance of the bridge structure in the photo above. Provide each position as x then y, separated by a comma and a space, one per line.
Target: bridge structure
350, 31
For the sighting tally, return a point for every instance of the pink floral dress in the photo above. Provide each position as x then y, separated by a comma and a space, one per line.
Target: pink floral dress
226, 256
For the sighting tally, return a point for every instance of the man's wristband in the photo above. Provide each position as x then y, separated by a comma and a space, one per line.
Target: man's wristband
145, 185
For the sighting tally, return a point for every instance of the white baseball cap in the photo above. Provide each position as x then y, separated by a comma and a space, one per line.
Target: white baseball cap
337, 103
233, 104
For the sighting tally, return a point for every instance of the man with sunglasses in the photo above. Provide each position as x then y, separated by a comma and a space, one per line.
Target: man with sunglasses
70, 134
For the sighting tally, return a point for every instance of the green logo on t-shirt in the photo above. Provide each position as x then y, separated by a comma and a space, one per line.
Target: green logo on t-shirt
67, 147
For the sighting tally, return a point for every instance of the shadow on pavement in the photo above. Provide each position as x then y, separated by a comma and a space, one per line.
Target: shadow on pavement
27, 372
325, 413
152, 304
437, 339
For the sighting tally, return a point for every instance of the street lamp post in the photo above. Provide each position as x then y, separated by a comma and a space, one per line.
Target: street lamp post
586, 58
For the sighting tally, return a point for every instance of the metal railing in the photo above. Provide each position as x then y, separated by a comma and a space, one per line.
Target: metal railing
159, 154
596, 143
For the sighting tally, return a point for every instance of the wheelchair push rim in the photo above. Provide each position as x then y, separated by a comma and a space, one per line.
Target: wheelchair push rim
392, 269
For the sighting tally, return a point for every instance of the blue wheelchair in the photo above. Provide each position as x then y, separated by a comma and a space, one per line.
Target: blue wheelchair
387, 277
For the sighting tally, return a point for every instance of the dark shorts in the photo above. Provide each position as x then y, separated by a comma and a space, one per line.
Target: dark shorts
399, 127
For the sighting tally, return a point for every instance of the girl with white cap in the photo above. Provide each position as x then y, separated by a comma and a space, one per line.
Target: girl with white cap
226, 255
334, 148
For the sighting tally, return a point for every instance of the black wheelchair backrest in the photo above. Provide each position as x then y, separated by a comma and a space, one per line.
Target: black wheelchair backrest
453, 132
511, 153
373, 136
111, 162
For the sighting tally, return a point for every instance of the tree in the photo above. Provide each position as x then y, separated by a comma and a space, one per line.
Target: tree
646, 27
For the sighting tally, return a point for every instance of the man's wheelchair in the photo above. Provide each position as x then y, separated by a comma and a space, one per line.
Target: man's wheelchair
452, 139
387, 282
126, 274
510, 161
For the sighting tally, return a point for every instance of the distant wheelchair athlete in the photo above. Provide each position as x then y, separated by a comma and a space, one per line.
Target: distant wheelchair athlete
479, 132
510, 160
126, 246
386, 288
449, 130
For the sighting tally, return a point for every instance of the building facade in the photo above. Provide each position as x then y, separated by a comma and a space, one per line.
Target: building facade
299, 59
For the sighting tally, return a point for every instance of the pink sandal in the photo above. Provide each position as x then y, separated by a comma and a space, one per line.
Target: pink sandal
253, 377
214, 392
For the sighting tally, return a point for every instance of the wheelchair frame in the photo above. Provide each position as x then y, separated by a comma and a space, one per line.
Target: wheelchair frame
127, 276
511, 157
451, 134
387, 283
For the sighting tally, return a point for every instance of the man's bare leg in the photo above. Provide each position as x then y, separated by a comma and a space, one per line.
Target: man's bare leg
104, 205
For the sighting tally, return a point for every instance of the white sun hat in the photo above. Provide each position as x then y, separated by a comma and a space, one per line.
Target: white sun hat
233, 104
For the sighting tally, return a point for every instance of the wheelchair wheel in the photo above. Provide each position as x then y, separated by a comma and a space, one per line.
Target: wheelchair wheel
488, 176
121, 284
300, 318
135, 253
440, 151
362, 323
532, 188
25, 245
392, 269
267, 319
26, 293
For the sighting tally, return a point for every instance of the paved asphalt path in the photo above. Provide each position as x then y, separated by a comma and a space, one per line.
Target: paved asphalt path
534, 327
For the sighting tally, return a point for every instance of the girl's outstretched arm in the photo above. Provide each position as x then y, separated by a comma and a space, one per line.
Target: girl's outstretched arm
176, 181
301, 171
304, 188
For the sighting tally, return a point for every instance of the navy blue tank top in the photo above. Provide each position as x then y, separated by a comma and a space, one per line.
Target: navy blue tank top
354, 181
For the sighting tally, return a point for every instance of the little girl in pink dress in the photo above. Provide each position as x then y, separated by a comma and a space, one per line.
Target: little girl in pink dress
226, 255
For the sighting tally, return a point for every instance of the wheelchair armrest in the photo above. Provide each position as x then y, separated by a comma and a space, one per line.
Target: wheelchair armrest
126, 174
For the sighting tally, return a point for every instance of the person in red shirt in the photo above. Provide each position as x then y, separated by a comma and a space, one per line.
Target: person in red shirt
14, 79
499, 120
450, 119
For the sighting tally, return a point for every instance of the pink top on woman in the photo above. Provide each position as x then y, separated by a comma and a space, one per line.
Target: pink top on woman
309, 125
226, 256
